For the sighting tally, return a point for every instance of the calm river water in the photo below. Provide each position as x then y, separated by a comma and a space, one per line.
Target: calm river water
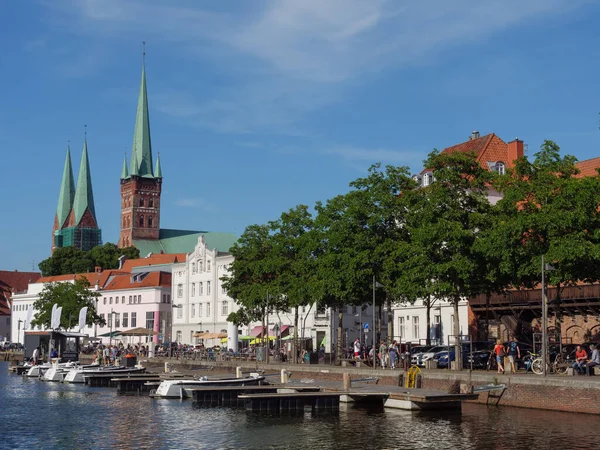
36, 415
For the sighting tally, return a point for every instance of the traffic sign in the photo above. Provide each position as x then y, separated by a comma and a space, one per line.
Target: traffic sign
366, 325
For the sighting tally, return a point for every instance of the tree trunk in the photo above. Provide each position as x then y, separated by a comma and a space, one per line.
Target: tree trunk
390, 318
340, 330
428, 320
262, 335
456, 332
295, 341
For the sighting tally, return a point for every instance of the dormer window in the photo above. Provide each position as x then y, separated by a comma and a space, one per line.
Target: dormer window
427, 179
500, 168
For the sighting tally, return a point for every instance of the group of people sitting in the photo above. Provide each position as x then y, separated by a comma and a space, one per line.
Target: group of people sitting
583, 363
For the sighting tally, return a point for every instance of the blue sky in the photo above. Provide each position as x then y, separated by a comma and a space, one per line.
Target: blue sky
259, 106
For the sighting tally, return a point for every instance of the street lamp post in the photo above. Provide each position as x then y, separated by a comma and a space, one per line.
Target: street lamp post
545, 267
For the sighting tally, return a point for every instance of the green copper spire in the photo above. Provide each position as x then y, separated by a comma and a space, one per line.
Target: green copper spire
157, 170
67, 192
141, 133
124, 171
84, 197
134, 164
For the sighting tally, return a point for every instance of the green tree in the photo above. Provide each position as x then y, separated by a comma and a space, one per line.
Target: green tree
547, 210
71, 297
68, 260
444, 221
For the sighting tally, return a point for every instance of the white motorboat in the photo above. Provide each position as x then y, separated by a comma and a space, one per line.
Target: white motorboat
77, 375
58, 370
177, 388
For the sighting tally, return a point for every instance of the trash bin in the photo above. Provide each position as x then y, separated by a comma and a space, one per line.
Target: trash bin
314, 358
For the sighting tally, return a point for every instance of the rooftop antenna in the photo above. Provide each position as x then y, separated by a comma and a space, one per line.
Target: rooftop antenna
144, 53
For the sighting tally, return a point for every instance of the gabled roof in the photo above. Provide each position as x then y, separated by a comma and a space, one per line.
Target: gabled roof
184, 241
153, 260
142, 145
140, 280
477, 145
84, 195
99, 278
13, 281
67, 192
588, 167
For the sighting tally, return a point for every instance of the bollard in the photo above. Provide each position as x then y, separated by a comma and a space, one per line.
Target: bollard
419, 381
238, 372
347, 381
401, 380
284, 376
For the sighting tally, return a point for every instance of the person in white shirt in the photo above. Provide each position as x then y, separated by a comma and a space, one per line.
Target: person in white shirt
357, 348
36, 356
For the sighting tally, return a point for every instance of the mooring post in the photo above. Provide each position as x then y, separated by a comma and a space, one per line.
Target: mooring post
284, 376
347, 381
238, 372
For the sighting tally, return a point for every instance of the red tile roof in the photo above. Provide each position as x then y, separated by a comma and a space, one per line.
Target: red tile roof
99, 278
154, 260
13, 281
152, 279
473, 145
588, 167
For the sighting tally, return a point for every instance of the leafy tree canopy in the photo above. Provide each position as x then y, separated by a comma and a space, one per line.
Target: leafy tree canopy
67, 260
71, 297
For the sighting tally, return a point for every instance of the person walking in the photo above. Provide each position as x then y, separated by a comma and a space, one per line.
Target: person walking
393, 352
580, 359
595, 361
382, 353
513, 351
357, 349
36, 356
499, 351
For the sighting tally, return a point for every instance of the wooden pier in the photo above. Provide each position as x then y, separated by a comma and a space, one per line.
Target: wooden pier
230, 395
289, 402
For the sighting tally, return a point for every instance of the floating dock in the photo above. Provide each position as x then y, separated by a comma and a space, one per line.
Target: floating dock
230, 395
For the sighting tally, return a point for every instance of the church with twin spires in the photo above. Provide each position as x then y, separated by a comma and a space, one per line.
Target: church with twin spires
75, 223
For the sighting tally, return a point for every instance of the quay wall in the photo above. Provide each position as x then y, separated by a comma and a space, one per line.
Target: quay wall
578, 394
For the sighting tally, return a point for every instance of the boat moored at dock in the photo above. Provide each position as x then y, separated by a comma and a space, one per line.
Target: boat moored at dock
177, 388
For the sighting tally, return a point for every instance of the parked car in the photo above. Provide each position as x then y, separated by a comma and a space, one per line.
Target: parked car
421, 358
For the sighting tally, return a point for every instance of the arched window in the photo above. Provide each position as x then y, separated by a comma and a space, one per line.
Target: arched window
151, 202
500, 168
142, 221
150, 221
141, 201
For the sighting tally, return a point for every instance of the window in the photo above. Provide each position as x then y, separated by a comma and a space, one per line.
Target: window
193, 289
223, 290
141, 201
117, 320
416, 327
208, 265
401, 330
224, 308
133, 320
151, 202
110, 301
193, 267
199, 266
208, 288
179, 336
427, 179
208, 310
500, 168
123, 299
125, 320
102, 317
179, 313
193, 310
168, 298
150, 221
179, 290
141, 221
201, 288
199, 309
150, 320
130, 300
109, 321
104, 300
354, 310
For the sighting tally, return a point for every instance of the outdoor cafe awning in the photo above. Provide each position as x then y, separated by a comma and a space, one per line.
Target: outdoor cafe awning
210, 335
139, 332
111, 334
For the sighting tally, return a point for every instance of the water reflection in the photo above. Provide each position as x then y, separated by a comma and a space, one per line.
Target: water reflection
57, 416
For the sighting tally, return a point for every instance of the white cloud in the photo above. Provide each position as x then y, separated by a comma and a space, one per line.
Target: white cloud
289, 58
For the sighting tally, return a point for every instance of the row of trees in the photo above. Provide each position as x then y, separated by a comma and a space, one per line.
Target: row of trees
67, 260
442, 241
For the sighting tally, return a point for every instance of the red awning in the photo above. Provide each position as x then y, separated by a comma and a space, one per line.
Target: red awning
282, 330
256, 331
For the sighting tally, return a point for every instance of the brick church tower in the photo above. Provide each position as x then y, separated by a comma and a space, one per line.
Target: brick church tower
140, 185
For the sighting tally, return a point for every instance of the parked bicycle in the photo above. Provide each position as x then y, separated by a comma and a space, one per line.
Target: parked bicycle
535, 363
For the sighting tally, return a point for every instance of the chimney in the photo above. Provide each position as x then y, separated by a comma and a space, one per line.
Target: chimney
515, 151
474, 135
98, 269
